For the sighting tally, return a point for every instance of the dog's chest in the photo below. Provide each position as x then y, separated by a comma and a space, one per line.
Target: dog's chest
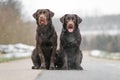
44, 36
70, 37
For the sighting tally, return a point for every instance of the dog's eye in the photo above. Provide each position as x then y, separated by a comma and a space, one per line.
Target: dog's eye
40, 12
68, 18
43, 12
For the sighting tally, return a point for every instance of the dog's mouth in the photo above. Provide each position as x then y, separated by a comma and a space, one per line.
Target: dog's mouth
70, 28
42, 21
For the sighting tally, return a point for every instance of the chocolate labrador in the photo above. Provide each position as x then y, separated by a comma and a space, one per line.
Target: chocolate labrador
70, 56
43, 55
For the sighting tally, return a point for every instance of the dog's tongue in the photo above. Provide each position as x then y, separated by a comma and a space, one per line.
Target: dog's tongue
42, 21
70, 30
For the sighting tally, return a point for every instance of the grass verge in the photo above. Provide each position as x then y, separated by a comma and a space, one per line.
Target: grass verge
11, 59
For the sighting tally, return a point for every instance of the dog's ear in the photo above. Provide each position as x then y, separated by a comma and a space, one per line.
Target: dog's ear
79, 20
51, 13
35, 14
62, 19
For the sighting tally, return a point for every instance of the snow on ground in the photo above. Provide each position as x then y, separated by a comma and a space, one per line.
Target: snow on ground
100, 32
21, 50
16, 50
105, 54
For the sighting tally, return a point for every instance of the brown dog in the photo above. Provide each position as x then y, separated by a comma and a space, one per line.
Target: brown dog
46, 40
70, 55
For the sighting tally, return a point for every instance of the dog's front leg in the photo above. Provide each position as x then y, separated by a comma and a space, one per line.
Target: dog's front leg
39, 50
65, 66
41, 58
52, 60
35, 59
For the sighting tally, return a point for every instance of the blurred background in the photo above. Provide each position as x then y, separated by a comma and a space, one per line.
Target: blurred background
100, 28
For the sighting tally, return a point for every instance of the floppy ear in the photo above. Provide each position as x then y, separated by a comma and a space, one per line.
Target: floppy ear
35, 14
79, 20
62, 19
51, 13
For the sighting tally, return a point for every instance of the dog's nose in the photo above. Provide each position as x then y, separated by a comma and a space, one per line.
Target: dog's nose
70, 22
42, 16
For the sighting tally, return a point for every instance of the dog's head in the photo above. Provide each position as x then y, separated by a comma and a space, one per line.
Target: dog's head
70, 22
43, 16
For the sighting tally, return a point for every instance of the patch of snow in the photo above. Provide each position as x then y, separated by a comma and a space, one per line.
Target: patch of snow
100, 32
16, 50
95, 53
104, 54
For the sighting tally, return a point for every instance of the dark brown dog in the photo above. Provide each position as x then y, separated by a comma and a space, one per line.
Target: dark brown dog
46, 40
70, 40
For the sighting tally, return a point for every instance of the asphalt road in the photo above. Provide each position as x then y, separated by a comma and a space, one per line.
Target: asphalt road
94, 69
18, 70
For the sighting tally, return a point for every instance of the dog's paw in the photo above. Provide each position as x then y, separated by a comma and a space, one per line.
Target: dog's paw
35, 67
64, 68
43, 66
52, 67
80, 68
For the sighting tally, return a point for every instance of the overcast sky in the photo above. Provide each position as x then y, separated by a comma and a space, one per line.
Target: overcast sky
81, 7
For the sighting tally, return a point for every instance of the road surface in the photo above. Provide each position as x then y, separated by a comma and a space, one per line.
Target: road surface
94, 69
18, 70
